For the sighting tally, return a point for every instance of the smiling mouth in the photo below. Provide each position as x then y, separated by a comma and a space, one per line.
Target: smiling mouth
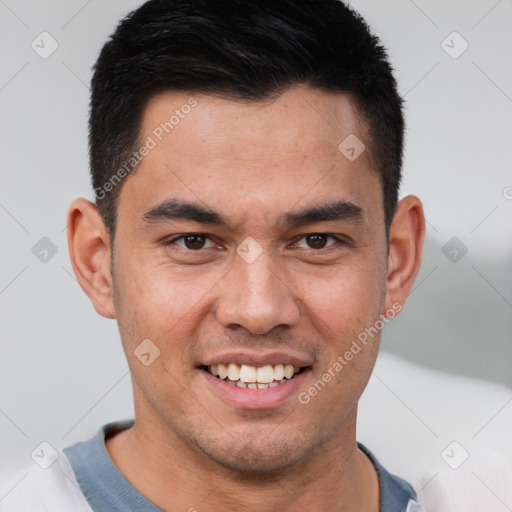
254, 377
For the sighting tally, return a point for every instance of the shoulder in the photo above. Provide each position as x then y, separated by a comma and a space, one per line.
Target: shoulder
396, 494
37, 490
448, 435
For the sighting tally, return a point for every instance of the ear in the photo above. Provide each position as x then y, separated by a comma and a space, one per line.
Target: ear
89, 250
406, 238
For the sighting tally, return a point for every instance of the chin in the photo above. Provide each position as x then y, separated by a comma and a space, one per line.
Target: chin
257, 462
259, 457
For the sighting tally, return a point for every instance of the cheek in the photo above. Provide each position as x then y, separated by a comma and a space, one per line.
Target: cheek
343, 310
160, 295
346, 300
166, 306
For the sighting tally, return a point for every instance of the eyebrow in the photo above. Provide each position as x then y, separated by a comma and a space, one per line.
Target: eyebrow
179, 210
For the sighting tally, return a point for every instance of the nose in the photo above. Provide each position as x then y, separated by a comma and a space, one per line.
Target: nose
257, 297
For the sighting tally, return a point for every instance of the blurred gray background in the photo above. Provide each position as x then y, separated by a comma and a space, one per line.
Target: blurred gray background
63, 372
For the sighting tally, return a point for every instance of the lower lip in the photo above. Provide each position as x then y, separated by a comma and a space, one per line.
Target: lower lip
246, 398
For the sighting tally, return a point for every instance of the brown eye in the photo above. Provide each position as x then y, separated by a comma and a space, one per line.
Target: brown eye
317, 241
192, 242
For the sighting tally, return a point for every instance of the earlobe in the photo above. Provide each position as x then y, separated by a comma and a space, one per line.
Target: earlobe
406, 239
89, 251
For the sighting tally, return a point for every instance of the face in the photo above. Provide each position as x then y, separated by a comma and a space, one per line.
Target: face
253, 275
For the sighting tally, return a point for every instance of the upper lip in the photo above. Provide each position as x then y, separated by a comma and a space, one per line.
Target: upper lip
258, 359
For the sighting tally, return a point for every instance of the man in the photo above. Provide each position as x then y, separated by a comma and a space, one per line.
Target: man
246, 159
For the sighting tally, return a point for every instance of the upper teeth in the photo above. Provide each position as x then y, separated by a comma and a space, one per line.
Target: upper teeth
260, 374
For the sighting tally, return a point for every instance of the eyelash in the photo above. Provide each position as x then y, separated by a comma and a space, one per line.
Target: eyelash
339, 241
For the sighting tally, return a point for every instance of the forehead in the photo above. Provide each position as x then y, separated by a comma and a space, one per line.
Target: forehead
262, 155
299, 122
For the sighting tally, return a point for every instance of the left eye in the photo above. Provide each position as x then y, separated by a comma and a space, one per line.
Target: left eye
318, 240
196, 241
192, 241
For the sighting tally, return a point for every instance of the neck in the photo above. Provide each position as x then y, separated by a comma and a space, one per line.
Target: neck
175, 476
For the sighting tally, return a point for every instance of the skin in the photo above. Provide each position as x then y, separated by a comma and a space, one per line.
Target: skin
251, 162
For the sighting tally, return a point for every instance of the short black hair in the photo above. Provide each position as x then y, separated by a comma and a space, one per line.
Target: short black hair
249, 50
